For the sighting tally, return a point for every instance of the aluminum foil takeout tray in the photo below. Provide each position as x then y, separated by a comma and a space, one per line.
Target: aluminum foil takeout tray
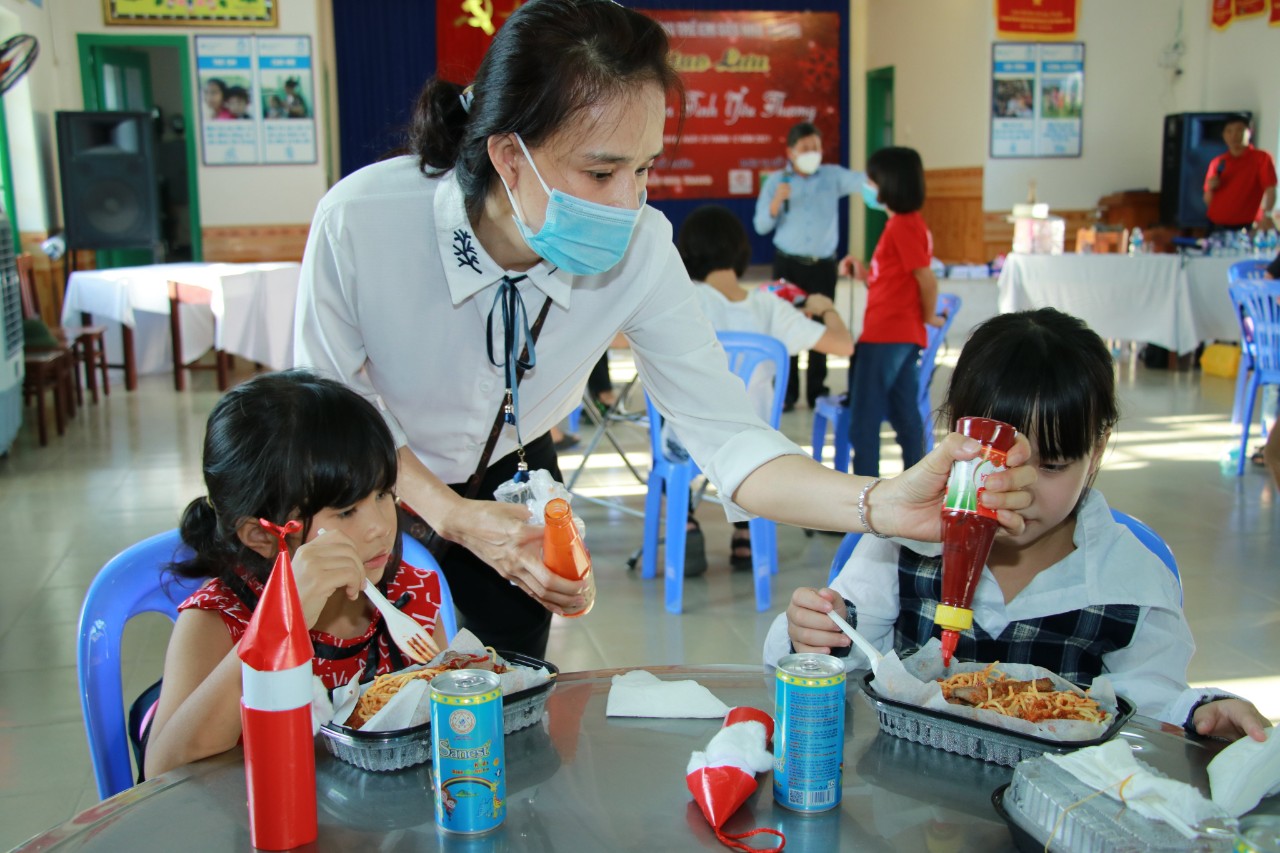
974, 739
395, 750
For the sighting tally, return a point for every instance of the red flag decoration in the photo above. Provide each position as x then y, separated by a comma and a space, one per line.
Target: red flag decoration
464, 31
723, 776
275, 711
1250, 8
1220, 13
1037, 20
1275, 13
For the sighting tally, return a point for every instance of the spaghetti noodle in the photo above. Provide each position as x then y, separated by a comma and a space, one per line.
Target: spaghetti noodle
384, 687
1033, 701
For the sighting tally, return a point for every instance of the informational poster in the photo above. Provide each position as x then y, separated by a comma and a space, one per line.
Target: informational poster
286, 91
257, 99
1039, 20
1037, 99
190, 13
749, 77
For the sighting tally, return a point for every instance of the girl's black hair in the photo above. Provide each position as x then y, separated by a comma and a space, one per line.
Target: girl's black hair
898, 172
1044, 372
551, 60
279, 444
712, 238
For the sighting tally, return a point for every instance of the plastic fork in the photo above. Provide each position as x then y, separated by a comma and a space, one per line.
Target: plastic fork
408, 633
864, 645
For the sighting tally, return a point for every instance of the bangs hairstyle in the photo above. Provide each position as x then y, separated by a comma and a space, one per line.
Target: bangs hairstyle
898, 173
278, 444
1044, 372
712, 238
549, 63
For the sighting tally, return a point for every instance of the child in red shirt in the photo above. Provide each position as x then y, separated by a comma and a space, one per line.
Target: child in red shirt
901, 294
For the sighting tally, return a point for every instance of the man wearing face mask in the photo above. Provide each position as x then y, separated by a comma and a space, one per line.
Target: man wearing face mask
800, 205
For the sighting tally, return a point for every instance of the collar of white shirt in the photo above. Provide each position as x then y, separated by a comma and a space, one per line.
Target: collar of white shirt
472, 269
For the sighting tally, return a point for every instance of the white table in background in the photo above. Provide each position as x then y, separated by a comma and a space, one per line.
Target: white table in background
244, 310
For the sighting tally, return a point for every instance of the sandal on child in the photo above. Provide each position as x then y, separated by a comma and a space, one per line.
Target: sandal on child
740, 551
1258, 457
695, 550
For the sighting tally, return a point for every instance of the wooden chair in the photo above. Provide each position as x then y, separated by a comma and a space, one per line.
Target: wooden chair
87, 343
49, 370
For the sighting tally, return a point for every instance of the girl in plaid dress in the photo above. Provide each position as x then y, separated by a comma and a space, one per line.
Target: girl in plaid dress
1075, 592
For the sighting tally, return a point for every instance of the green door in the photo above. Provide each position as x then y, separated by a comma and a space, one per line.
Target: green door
6, 183
122, 80
879, 135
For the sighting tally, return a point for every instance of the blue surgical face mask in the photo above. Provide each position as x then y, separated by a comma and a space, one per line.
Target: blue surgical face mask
870, 196
579, 236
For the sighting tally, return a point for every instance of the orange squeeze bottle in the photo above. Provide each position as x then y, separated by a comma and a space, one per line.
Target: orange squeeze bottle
564, 552
968, 527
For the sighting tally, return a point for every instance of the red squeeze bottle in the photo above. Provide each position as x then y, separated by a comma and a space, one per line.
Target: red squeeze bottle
563, 550
968, 527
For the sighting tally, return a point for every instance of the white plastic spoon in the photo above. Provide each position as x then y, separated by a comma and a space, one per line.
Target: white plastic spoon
863, 644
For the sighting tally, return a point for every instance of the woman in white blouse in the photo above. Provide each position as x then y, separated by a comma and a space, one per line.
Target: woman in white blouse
425, 277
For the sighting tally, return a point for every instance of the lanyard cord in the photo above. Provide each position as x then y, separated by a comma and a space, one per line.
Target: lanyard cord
516, 337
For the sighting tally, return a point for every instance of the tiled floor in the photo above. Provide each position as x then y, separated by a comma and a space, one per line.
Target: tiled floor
127, 466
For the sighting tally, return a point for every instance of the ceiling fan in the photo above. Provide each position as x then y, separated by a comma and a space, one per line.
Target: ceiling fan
16, 58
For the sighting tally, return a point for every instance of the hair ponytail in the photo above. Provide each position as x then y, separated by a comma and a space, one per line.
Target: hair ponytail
437, 126
200, 532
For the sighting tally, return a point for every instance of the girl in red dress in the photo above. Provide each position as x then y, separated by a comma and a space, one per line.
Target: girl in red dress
285, 446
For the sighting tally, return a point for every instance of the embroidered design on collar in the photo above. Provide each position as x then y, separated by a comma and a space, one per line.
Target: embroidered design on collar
464, 250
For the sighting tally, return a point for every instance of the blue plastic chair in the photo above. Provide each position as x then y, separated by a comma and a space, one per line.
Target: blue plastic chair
1240, 272
830, 409
1146, 535
1257, 302
746, 351
131, 583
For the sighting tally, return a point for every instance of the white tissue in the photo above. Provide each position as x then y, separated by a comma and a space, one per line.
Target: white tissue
640, 693
1112, 768
1245, 772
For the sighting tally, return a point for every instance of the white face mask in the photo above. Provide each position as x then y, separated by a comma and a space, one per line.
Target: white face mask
808, 162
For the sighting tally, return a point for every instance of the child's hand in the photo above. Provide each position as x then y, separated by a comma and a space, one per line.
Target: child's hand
321, 567
1231, 719
809, 626
937, 321
816, 303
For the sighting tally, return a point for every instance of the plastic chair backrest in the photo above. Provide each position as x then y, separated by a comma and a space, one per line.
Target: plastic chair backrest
1155, 544
847, 544
1260, 301
1249, 270
948, 306
416, 554
747, 351
1146, 535
130, 583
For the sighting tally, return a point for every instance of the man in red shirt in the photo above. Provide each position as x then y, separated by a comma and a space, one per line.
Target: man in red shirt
1238, 180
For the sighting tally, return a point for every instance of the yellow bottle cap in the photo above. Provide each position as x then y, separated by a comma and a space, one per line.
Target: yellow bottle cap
954, 618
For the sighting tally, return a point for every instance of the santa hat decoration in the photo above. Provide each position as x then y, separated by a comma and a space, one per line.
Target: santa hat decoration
723, 776
275, 711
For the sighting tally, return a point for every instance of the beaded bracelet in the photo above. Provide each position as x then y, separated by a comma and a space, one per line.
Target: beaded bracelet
862, 510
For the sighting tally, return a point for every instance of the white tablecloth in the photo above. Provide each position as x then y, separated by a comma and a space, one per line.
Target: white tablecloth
252, 304
1169, 300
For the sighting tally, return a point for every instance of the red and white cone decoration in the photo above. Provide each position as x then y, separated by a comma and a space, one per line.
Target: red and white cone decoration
722, 777
275, 711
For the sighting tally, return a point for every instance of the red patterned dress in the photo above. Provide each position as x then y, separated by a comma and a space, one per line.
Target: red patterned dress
337, 660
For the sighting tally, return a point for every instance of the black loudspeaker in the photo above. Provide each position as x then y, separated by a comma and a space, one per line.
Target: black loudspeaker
1191, 141
107, 166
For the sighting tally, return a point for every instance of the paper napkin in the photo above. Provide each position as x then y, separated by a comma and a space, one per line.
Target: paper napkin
640, 693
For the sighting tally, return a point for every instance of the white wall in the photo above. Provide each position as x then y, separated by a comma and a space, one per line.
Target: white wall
941, 52
229, 195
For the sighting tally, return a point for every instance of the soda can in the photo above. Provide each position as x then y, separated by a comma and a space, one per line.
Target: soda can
469, 775
808, 748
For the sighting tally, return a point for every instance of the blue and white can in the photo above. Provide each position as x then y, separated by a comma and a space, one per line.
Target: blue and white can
808, 746
470, 774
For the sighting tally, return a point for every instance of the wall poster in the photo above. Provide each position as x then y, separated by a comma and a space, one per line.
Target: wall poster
257, 98
191, 13
749, 77
1037, 99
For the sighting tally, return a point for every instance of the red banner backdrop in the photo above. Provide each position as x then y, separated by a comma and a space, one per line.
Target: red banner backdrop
464, 30
749, 77
1037, 20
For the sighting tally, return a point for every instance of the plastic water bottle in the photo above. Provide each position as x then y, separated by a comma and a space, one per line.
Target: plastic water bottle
1136, 243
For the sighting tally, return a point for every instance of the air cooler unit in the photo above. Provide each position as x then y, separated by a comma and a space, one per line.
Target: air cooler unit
11, 363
